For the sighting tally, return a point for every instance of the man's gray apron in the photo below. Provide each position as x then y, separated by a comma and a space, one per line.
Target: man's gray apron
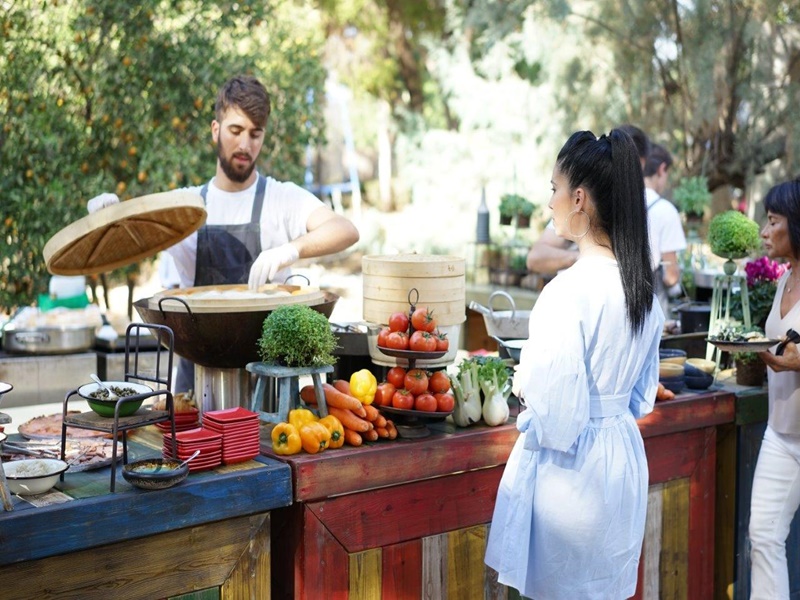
659, 288
225, 254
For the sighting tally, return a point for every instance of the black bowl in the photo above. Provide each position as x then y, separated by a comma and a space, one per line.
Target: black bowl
155, 473
692, 371
674, 386
700, 382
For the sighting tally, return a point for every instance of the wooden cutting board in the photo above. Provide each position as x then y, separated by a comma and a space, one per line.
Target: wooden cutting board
124, 233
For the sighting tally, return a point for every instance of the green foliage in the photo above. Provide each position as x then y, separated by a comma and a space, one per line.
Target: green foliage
297, 336
526, 207
118, 97
759, 298
733, 235
510, 204
746, 358
692, 195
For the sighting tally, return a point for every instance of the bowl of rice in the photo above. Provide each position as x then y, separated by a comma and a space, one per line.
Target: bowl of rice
33, 475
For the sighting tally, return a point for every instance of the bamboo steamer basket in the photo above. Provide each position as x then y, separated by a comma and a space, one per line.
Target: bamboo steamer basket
439, 281
440, 284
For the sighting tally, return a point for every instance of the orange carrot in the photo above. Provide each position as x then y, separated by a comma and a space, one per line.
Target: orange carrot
382, 432
352, 438
370, 436
391, 429
334, 397
349, 419
343, 386
372, 413
380, 421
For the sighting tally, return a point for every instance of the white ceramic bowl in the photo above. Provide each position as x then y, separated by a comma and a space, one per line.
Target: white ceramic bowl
34, 475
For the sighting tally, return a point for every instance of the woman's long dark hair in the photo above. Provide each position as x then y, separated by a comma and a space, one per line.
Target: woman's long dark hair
784, 199
609, 169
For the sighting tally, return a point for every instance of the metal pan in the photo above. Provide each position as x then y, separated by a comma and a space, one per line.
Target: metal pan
48, 340
506, 324
217, 340
513, 347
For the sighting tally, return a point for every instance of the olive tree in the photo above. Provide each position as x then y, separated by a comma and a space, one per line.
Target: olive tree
100, 96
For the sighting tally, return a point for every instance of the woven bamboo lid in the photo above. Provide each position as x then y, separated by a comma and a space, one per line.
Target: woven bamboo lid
124, 233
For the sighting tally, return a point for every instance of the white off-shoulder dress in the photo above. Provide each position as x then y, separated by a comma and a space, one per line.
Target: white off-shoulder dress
570, 512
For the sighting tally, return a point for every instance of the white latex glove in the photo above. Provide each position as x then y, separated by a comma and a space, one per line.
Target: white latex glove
101, 201
269, 262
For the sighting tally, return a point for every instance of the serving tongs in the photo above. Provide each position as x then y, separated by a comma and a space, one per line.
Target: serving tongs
791, 336
38, 449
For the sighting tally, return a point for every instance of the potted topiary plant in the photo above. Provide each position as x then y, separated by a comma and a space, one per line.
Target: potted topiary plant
692, 197
509, 206
525, 211
732, 235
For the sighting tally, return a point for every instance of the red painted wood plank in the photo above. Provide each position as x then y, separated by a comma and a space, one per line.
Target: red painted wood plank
325, 564
673, 456
701, 519
347, 470
690, 412
401, 513
402, 571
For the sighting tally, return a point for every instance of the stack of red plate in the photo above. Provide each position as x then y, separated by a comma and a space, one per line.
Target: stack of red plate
183, 421
208, 442
240, 432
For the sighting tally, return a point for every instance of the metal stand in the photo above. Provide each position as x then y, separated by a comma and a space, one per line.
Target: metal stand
117, 425
287, 388
721, 308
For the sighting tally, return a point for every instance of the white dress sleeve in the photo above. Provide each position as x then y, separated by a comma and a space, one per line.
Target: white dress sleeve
552, 378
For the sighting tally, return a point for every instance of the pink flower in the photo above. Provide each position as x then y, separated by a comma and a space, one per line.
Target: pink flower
763, 270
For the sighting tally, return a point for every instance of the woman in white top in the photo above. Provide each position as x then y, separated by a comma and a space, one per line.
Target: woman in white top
570, 511
776, 483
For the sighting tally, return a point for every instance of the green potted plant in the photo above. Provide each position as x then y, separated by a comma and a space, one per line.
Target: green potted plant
750, 369
509, 206
692, 197
731, 235
525, 212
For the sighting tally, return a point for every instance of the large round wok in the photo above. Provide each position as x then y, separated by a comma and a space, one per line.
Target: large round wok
217, 340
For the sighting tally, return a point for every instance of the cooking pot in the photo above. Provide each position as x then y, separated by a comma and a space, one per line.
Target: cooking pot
694, 316
513, 347
215, 335
507, 324
48, 340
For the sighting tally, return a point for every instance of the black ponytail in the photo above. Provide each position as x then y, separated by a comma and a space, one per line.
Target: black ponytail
610, 170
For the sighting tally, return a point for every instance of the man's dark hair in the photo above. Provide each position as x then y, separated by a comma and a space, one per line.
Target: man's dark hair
639, 138
658, 156
248, 95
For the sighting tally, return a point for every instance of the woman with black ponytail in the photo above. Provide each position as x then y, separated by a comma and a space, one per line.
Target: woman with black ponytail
570, 512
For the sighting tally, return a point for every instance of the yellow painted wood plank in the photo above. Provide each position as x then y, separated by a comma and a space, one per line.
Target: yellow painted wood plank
434, 567
159, 566
250, 577
675, 540
365, 575
651, 551
465, 568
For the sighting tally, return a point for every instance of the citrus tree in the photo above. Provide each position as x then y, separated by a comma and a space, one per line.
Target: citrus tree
100, 96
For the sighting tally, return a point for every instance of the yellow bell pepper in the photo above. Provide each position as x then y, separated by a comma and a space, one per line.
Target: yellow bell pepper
286, 439
363, 386
336, 429
314, 437
300, 416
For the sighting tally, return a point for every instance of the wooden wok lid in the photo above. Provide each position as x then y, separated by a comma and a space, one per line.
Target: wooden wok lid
124, 233
235, 298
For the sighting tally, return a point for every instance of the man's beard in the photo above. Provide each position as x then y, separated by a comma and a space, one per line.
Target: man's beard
230, 171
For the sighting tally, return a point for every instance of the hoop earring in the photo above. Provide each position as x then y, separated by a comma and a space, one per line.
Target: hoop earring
569, 223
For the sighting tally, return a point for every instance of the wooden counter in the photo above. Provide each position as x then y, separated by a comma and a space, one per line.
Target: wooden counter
395, 518
208, 535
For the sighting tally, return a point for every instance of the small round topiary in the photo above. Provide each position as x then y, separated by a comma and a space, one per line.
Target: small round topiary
733, 235
297, 336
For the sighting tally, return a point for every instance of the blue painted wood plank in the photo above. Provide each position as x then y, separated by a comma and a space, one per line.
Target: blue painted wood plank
29, 533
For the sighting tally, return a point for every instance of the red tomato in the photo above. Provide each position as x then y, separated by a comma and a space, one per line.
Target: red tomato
439, 382
416, 381
403, 399
383, 337
398, 322
444, 402
397, 340
396, 376
442, 343
422, 320
425, 402
422, 341
384, 393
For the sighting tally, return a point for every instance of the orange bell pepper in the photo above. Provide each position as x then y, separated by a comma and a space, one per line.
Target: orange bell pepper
314, 437
334, 426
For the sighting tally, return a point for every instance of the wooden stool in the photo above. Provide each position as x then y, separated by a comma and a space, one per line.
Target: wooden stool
288, 389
